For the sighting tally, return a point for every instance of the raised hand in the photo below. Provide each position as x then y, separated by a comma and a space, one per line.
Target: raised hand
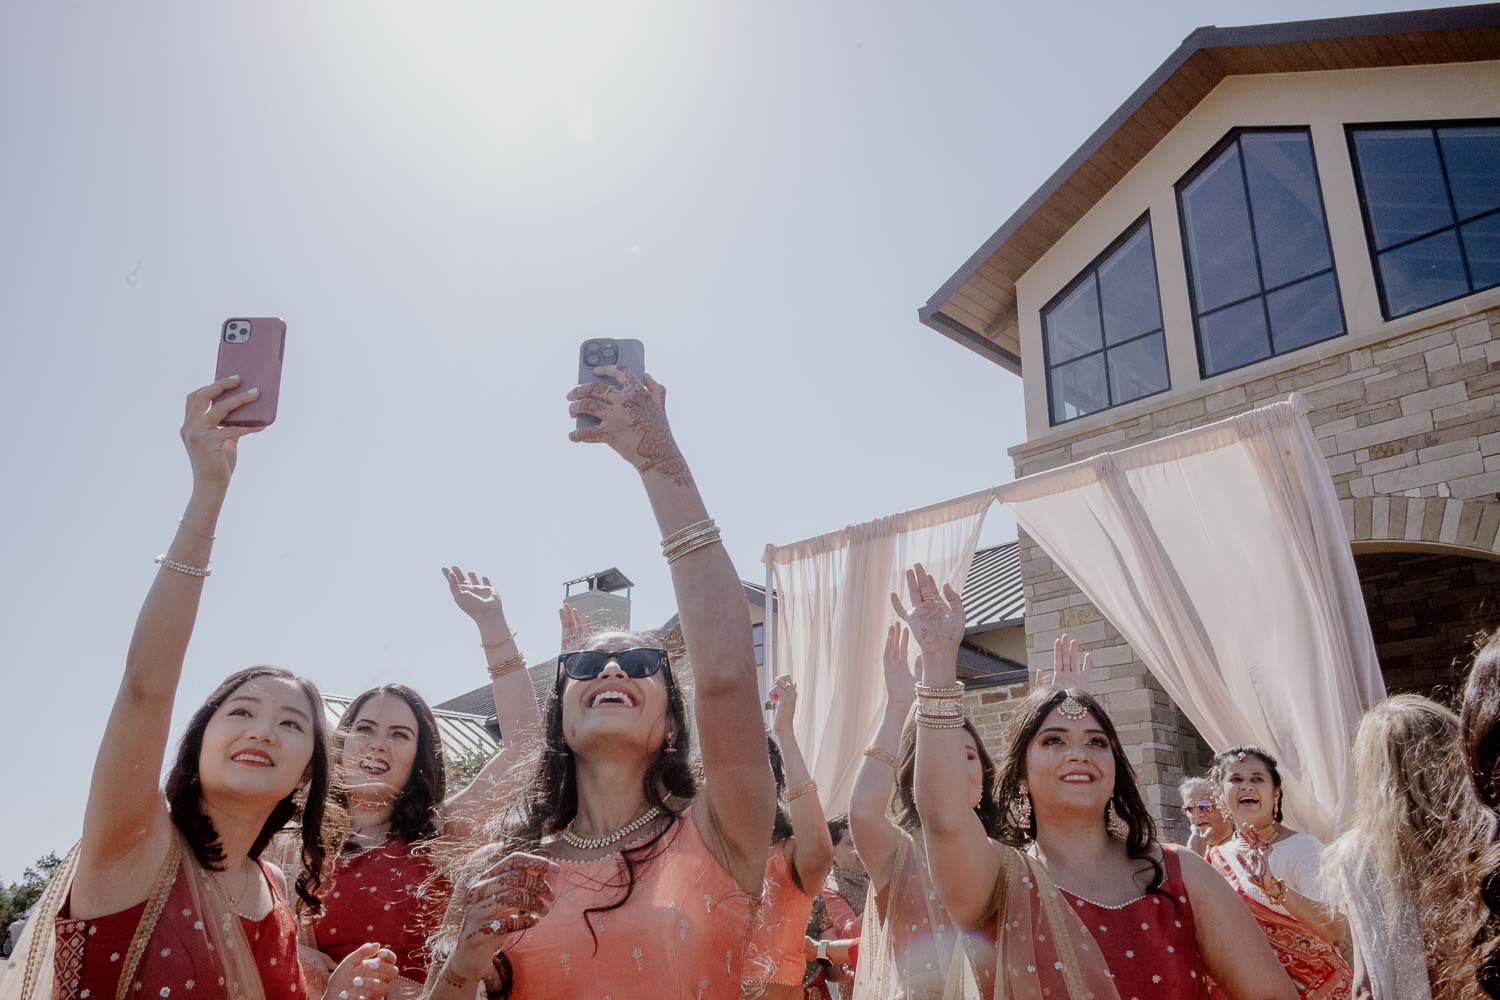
1258, 860
936, 620
366, 973
475, 597
900, 681
1069, 668
575, 628
212, 449
783, 704
632, 421
509, 899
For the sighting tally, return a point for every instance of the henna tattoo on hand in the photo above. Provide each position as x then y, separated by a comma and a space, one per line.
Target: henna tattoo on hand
655, 448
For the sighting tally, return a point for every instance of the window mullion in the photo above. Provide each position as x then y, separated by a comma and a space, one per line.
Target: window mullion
1260, 275
1458, 234
1109, 392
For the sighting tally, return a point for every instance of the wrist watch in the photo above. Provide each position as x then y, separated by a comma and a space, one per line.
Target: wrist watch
822, 951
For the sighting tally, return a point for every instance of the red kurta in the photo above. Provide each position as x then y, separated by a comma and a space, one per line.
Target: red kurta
380, 895
177, 962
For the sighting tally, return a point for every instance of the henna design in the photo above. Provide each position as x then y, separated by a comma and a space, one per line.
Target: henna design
655, 446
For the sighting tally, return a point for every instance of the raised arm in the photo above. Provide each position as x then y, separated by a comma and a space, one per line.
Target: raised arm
738, 803
125, 825
963, 860
1326, 922
812, 847
876, 837
515, 702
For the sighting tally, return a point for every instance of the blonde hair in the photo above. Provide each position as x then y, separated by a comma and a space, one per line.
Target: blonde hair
1418, 827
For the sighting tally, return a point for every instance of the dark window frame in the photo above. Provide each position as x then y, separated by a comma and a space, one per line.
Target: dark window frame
1432, 125
1232, 137
1092, 268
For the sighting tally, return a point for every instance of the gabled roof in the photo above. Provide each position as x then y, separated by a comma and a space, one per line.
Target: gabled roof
977, 306
462, 732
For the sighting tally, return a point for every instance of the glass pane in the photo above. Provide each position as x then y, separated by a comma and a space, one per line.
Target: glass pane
1221, 256
1137, 369
1078, 388
1289, 228
1233, 337
1073, 324
1482, 244
1305, 313
1127, 283
1423, 273
1403, 183
1472, 156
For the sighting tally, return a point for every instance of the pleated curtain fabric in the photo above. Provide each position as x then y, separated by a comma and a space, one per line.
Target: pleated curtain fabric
1220, 555
833, 607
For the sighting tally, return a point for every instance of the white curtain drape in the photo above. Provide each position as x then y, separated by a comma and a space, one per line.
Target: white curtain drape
1220, 555
833, 605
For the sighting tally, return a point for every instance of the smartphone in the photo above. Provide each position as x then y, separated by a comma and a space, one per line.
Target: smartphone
252, 348
629, 354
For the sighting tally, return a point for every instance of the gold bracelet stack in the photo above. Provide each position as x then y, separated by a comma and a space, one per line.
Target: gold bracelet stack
507, 667
690, 539
184, 568
940, 707
499, 643
797, 791
882, 755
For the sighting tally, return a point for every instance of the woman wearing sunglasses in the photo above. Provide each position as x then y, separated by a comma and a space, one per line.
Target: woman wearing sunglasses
616, 872
1207, 826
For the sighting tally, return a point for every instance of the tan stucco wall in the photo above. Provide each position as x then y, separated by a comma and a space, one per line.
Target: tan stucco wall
1009, 642
1325, 102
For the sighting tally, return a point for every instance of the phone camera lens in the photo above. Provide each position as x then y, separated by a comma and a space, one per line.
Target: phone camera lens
592, 359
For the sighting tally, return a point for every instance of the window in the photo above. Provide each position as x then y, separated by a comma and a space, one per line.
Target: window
1260, 265
1431, 201
1102, 335
758, 636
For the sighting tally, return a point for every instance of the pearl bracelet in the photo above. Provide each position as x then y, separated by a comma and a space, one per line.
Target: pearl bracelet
172, 564
937, 722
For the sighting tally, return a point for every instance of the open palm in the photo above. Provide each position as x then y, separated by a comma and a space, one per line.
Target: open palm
474, 596
936, 619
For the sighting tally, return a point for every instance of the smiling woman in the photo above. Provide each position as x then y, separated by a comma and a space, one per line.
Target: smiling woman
167, 891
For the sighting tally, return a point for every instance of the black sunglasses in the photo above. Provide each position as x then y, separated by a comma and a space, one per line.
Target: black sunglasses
586, 664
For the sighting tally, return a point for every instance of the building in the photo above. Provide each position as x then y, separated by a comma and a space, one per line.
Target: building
1310, 206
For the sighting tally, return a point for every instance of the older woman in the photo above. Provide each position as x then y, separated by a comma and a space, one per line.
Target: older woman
1081, 898
616, 871
1275, 870
1207, 825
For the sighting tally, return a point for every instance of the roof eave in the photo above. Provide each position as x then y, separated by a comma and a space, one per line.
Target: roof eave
973, 340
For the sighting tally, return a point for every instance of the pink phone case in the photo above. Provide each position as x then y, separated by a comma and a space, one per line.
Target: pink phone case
252, 348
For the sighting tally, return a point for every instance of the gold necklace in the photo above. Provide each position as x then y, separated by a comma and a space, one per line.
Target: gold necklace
596, 843
234, 901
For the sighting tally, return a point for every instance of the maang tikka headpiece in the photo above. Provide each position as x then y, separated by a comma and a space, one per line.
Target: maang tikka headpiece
1072, 708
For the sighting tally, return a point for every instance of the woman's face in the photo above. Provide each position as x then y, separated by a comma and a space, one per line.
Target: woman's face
1249, 791
1069, 767
613, 712
380, 749
258, 745
974, 767
1203, 815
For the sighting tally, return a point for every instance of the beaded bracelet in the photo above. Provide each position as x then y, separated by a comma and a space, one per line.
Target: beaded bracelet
940, 709
955, 691
797, 791
882, 755
173, 564
506, 667
936, 722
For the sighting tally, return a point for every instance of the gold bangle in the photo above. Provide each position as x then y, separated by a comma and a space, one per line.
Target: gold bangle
686, 550
498, 643
955, 691
682, 533
683, 539
1279, 897
797, 791
936, 722
940, 709
507, 667
882, 755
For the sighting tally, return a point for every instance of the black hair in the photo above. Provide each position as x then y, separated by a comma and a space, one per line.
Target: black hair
904, 799
1225, 759
184, 790
1140, 837
414, 813
838, 826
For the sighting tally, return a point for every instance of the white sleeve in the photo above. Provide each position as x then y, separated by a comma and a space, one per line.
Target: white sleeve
1297, 862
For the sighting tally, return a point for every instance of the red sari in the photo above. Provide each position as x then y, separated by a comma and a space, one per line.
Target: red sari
381, 895
178, 959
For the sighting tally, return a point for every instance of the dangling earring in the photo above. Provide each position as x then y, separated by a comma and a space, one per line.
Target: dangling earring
1223, 807
672, 741
1020, 810
1117, 827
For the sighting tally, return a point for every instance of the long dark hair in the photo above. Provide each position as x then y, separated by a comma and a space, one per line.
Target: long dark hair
184, 791
904, 799
414, 813
1140, 838
1480, 731
781, 824
1225, 760
549, 802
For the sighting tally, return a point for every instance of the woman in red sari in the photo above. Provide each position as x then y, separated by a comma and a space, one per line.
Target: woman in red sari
1275, 869
1085, 901
166, 894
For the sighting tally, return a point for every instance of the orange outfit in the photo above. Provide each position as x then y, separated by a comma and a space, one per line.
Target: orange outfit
682, 933
775, 956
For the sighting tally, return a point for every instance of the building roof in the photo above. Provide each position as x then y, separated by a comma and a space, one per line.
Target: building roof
993, 595
462, 732
977, 306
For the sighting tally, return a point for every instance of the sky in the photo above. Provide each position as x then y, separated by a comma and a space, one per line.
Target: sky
443, 200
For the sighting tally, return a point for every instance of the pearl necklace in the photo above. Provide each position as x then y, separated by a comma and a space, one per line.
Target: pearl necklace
596, 843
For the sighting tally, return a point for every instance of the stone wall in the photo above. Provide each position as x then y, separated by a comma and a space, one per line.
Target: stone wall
1411, 430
